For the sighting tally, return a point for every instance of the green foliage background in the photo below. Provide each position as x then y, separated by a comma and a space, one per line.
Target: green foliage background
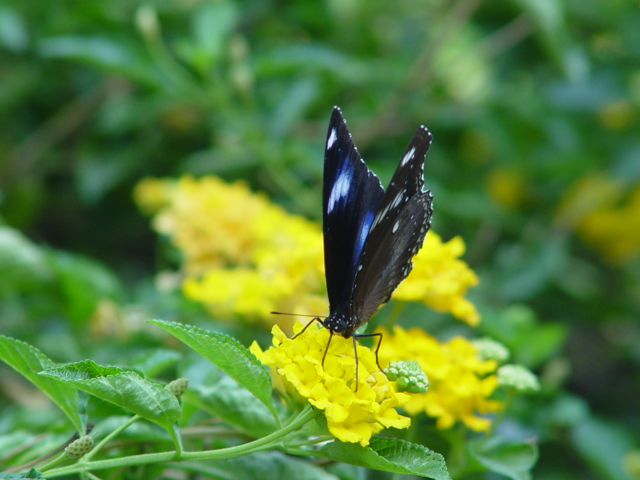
96, 95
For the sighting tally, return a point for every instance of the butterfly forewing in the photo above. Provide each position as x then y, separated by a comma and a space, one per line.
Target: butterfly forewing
396, 234
408, 178
351, 196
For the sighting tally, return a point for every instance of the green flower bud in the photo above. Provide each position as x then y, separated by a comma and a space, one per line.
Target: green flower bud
489, 349
80, 447
518, 377
178, 386
408, 376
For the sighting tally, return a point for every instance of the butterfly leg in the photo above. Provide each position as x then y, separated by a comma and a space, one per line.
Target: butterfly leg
355, 355
326, 349
379, 335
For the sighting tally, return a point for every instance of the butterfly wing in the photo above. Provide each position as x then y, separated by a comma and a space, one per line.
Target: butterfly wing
396, 234
351, 196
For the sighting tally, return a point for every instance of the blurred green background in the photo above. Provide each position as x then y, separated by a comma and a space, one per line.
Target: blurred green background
534, 107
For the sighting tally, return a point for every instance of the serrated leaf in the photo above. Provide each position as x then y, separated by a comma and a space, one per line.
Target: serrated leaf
514, 461
29, 362
389, 455
124, 388
31, 474
228, 355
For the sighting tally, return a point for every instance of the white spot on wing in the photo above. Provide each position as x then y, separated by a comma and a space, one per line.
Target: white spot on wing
408, 156
397, 200
395, 227
340, 188
332, 138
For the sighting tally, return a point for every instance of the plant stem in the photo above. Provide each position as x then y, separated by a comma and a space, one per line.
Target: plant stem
108, 438
270, 441
56, 461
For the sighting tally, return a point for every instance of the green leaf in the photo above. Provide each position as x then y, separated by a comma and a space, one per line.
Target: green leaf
101, 52
212, 24
124, 388
22, 263
389, 455
312, 57
155, 361
84, 283
14, 34
532, 274
29, 362
234, 405
514, 461
228, 355
31, 474
263, 465
347, 472
603, 445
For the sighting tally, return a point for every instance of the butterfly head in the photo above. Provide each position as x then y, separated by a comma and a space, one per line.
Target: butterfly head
340, 323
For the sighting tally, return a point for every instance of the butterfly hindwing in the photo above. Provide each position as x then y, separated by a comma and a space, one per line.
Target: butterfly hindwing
385, 266
396, 234
351, 196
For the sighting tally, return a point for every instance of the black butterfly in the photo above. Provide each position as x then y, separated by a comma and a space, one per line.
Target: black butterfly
370, 236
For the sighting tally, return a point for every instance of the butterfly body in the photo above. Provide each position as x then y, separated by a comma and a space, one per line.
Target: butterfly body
370, 235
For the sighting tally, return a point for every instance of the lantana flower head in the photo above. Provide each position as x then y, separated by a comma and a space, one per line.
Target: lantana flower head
461, 382
353, 415
440, 280
245, 256
242, 255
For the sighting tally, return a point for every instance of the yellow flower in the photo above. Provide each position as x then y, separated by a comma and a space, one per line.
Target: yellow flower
440, 280
243, 255
590, 193
152, 194
605, 216
460, 382
352, 415
615, 230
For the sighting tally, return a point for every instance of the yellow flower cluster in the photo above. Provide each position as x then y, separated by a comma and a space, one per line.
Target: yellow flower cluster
440, 280
353, 415
246, 256
460, 383
615, 229
603, 217
242, 254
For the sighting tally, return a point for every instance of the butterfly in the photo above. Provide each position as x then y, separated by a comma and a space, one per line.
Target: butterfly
370, 235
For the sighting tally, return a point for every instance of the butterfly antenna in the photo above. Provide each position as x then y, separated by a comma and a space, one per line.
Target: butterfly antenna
297, 314
314, 319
